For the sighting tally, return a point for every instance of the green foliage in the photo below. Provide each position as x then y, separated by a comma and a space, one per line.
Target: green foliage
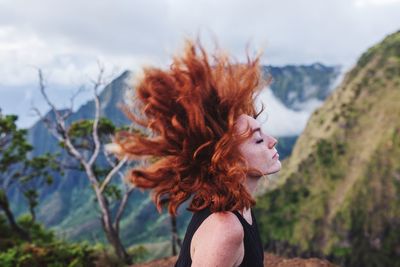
367, 56
278, 213
374, 230
43, 250
56, 254
32, 196
384, 51
46, 250
112, 191
13, 145
17, 169
81, 132
37, 232
325, 152
99, 171
43, 166
84, 128
139, 253
328, 155
9, 239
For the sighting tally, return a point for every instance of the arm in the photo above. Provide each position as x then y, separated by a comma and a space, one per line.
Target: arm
219, 242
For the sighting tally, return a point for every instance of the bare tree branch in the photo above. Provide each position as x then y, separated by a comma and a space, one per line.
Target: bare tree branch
67, 166
58, 129
127, 192
42, 87
121, 208
112, 172
72, 99
107, 156
48, 124
113, 164
60, 132
97, 83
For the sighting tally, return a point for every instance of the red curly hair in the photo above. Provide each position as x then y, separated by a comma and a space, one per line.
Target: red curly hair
191, 110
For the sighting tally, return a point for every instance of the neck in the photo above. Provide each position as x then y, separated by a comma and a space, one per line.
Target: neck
251, 184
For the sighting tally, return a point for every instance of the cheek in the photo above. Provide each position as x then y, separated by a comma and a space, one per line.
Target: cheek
261, 159
256, 157
247, 152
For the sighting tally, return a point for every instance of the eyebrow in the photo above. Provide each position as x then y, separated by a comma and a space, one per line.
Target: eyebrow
256, 130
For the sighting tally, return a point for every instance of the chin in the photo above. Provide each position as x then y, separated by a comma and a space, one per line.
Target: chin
275, 168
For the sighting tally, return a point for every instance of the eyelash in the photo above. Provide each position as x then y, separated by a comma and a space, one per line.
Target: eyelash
260, 141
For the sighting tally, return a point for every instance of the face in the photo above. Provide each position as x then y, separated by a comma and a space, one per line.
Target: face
259, 149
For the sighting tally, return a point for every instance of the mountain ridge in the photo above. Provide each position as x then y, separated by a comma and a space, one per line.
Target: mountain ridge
340, 168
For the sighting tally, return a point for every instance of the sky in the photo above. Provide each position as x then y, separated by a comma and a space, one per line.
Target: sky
67, 39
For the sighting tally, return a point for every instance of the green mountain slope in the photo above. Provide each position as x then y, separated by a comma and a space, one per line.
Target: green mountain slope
339, 195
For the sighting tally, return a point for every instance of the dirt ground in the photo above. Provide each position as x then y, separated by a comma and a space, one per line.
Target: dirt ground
270, 260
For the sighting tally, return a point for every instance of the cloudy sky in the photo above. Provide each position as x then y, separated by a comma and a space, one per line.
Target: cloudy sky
67, 38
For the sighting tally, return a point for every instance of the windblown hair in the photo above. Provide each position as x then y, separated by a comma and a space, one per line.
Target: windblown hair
191, 110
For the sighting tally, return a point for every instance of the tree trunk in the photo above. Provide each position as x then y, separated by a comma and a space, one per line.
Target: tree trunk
116, 243
33, 213
111, 233
175, 237
4, 205
107, 223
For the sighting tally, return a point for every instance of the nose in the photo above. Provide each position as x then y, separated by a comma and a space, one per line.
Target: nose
271, 142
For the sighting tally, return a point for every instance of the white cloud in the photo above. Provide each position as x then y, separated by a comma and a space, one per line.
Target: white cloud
66, 38
365, 3
278, 120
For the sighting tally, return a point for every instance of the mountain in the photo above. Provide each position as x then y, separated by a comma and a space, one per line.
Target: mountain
338, 194
68, 205
296, 86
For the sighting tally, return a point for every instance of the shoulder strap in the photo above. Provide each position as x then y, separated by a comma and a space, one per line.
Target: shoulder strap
243, 220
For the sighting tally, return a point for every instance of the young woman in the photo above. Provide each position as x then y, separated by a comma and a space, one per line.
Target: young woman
206, 146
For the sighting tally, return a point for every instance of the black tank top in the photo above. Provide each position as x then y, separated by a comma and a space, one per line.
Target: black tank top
253, 250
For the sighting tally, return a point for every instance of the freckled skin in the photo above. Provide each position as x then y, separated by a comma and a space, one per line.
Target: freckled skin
259, 148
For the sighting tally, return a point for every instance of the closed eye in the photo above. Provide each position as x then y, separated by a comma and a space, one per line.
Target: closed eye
260, 141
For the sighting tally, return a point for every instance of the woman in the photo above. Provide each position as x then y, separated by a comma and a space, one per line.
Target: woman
205, 147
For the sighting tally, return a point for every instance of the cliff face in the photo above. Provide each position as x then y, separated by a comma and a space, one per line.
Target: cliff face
339, 192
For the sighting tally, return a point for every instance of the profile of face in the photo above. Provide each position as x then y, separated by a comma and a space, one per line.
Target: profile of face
259, 149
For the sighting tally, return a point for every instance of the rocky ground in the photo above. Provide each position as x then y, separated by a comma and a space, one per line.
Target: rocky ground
270, 260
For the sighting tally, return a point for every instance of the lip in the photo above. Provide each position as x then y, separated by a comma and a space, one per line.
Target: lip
276, 155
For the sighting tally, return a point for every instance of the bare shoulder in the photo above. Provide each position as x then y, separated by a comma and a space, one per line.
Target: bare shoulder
227, 224
218, 241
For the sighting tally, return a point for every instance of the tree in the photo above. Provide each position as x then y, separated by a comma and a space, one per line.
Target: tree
175, 240
83, 141
19, 171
